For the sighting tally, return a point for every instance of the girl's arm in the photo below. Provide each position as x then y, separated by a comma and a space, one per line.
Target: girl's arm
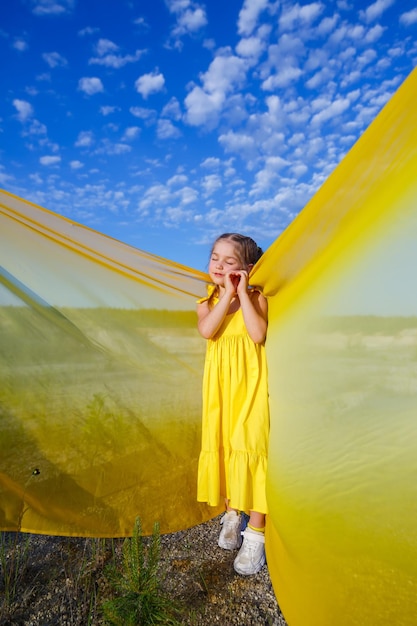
210, 319
255, 314
254, 308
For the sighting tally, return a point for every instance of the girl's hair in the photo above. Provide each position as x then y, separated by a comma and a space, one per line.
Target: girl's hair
247, 249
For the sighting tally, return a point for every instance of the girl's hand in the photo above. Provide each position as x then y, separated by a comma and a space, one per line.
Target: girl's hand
231, 282
236, 281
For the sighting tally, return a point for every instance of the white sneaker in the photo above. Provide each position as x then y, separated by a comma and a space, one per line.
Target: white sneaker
251, 556
230, 536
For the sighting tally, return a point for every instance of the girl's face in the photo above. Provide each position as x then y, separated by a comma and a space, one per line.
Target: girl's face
223, 259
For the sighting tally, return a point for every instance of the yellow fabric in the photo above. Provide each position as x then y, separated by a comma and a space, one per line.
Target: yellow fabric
235, 423
101, 370
100, 383
341, 537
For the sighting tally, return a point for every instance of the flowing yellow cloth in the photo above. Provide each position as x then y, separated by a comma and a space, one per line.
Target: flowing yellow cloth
101, 370
101, 367
342, 358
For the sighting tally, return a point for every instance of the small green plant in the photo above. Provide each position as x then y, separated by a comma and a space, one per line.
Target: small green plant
14, 556
140, 599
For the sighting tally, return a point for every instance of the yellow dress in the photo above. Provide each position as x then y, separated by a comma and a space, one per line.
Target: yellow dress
235, 424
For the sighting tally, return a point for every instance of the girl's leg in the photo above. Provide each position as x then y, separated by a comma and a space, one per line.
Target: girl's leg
257, 520
228, 508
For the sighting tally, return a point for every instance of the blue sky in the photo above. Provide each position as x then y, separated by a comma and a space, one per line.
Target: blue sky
164, 123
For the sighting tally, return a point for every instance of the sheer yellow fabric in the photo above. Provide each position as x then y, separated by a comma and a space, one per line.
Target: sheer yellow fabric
342, 357
101, 370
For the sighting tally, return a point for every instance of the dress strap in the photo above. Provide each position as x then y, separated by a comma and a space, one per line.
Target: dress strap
211, 292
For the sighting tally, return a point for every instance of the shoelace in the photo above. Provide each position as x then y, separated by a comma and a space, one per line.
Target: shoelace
250, 544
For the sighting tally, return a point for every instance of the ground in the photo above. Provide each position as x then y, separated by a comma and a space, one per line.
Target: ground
62, 581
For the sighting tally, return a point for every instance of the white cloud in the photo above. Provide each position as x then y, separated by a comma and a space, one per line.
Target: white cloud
54, 59
107, 110
50, 160
116, 61
88, 30
356, 32
90, 86
46, 76
202, 107
52, 7
374, 33
20, 44
150, 83
331, 111
178, 179
294, 15
155, 194
85, 139
176, 6
321, 77
283, 65
191, 17
37, 128
250, 47
131, 133
190, 21
366, 57
409, 18
140, 21
299, 170
296, 139
104, 46
143, 113
326, 25
105, 50
111, 149
76, 165
237, 142
211, 184
268, 176
5, 178
24, 109
167, 130
188, 195
375, 10
172, 110
249, 14
211, 163
225, 74
282, 78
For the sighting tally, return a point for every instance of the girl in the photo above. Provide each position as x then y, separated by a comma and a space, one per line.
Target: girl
235, 429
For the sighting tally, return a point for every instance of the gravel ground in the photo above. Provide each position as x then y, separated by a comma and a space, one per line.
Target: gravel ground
61, 581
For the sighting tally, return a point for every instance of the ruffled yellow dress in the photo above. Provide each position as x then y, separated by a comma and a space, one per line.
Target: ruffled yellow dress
235, 423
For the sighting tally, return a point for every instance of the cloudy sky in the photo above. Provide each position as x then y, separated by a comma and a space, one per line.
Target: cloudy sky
163, 123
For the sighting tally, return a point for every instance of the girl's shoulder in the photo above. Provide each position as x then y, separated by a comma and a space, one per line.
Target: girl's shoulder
256, 293
211, 294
